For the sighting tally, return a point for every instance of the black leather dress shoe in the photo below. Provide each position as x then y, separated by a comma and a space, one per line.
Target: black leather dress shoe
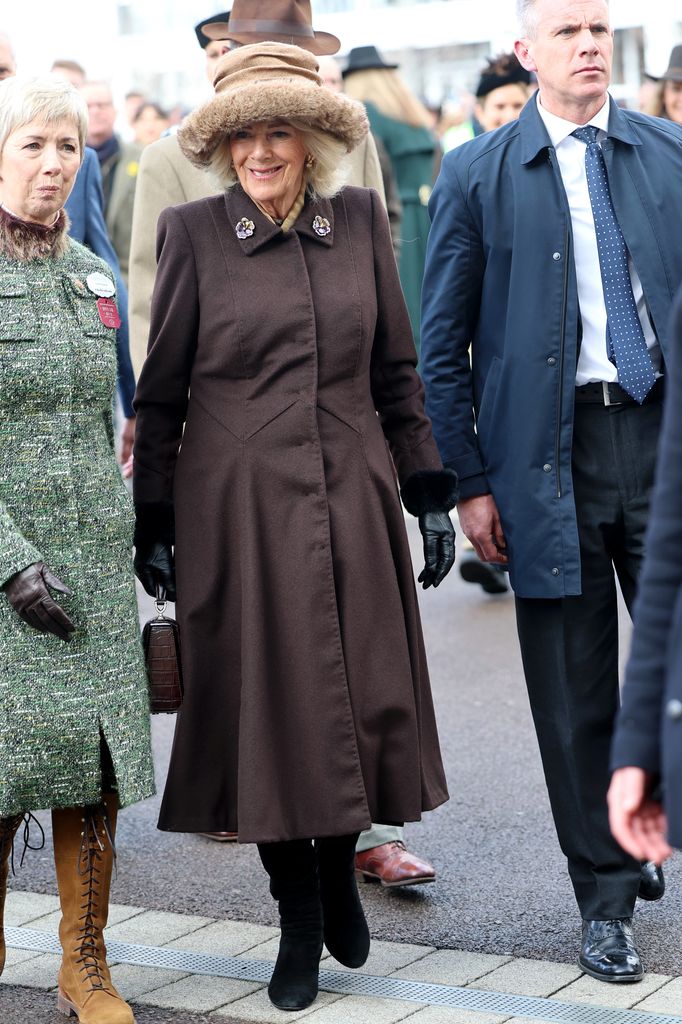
608, 951
651, 881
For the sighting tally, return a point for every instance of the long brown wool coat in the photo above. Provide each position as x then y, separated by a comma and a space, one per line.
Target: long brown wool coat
307, 708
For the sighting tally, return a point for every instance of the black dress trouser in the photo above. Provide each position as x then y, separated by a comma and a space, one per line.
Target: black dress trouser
569, 647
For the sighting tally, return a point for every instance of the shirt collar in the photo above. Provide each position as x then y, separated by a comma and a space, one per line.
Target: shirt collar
559, 129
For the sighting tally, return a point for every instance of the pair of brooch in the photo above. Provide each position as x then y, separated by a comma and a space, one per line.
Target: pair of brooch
245, 227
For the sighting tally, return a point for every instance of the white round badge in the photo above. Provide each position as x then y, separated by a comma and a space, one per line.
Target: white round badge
100, 284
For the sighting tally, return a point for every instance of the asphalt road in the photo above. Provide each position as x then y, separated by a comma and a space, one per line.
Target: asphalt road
502, 886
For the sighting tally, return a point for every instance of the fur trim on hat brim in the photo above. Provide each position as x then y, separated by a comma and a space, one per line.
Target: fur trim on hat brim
203, 131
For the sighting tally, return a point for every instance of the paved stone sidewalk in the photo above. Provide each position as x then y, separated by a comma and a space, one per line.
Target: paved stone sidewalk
237, 1000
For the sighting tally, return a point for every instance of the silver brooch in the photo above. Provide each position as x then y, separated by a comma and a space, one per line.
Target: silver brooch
321, 226
245, 228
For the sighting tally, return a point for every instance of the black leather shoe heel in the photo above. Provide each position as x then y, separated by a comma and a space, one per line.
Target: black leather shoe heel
651, 881
608, 951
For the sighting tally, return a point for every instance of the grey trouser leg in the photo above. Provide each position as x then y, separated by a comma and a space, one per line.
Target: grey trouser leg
377, 835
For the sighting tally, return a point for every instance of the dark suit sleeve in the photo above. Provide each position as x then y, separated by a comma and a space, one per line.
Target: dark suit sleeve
97, 239
397, 390
637, 737
451, 295
163, 388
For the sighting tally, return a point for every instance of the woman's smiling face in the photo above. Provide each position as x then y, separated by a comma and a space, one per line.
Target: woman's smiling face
269, 159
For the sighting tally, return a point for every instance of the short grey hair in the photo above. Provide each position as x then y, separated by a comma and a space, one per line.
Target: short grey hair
527, 16
327, 175
47, 100
526, 12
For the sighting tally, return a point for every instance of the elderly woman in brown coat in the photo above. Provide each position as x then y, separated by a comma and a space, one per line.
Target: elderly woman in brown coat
264, 480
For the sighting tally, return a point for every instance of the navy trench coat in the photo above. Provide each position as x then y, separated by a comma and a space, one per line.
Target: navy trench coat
649, 727
500, 278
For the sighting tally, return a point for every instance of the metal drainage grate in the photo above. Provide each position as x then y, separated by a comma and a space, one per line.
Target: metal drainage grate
354, 984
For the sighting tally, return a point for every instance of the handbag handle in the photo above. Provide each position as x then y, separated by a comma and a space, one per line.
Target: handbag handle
160, 601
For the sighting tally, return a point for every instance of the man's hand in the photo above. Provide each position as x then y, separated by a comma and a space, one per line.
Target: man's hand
480, 522
126, 453
637, 821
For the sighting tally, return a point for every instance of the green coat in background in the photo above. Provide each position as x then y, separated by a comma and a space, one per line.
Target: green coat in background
412, 152
62, 501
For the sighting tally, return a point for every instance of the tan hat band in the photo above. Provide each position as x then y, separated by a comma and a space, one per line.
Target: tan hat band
289, 28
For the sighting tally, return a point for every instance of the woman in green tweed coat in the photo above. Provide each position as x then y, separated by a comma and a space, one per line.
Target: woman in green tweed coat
74, 716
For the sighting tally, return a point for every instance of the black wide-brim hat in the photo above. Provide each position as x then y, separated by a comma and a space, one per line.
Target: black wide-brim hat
673, 72
364, 58
220, 19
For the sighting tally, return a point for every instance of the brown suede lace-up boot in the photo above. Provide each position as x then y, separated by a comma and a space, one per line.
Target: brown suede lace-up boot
8, 830
84, 857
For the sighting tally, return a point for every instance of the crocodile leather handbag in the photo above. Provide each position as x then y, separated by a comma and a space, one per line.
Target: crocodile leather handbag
161, 643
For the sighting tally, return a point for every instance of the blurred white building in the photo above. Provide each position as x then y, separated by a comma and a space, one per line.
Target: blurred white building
440, 45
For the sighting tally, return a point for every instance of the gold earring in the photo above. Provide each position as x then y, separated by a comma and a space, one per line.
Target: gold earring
309, 161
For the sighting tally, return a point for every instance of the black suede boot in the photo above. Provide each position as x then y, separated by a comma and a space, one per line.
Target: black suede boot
346, 934
292, 868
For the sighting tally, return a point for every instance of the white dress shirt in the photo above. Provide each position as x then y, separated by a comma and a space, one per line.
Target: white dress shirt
593, 363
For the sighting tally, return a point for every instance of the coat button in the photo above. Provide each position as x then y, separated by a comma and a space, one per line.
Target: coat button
551, 361
547, 468
556, 255
674, 709
555, 571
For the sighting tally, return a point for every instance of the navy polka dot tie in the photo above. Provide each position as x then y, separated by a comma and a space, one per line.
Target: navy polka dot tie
625, 337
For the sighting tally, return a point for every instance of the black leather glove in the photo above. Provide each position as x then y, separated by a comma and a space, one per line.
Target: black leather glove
439, 547
155, 567
28, 594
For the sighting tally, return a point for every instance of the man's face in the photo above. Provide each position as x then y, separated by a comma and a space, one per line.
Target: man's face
571, 52
101, 113
8, 65
214, 51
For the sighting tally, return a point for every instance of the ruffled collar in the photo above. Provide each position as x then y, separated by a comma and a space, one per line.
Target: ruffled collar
24, 240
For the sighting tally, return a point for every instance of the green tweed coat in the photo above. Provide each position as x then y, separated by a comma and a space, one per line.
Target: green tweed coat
62, 502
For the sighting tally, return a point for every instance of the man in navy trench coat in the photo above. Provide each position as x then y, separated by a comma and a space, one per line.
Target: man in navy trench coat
555, 458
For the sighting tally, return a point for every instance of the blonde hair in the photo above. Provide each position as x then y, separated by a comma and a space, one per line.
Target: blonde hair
326, 176
47, 100
386, 90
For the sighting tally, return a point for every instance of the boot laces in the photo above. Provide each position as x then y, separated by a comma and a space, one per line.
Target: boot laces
8, 830
88, 865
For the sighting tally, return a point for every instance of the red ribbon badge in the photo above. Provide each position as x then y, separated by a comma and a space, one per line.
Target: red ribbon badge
108, 313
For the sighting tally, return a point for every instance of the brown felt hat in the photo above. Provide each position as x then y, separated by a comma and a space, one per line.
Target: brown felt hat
264, 82
282, 21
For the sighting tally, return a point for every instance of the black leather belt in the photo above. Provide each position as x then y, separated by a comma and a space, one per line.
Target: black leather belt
609, 393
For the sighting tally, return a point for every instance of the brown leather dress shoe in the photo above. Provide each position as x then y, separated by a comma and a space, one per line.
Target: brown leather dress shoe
220, 837
393, 865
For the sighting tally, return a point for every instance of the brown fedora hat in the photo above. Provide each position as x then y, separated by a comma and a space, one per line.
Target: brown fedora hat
279, 21
263, 82
673, 73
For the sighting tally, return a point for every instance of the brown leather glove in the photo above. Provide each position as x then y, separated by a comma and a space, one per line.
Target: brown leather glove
28, 594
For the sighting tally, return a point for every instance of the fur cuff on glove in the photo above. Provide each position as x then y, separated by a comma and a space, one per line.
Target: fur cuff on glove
430, 490
154, 521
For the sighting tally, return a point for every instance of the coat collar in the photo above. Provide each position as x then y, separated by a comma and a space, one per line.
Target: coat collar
261, 230
534, 137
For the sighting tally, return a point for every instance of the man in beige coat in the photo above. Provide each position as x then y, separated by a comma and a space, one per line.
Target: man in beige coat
167, 178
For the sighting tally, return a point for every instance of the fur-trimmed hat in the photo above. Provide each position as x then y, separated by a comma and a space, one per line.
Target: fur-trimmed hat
264, 82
